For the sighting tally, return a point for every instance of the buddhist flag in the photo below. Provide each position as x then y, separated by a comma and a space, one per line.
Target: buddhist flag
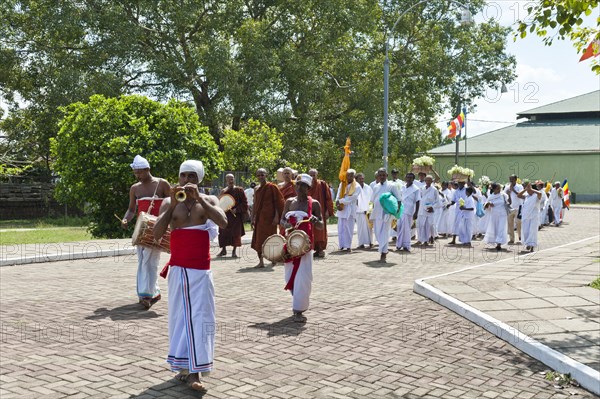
345, 166
565, 187
456, 125
591, 51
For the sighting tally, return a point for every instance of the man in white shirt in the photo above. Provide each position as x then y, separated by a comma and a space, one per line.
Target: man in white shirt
410, 195
430, 200
348, 198
513, 189
364, 231
382, 220
556, 202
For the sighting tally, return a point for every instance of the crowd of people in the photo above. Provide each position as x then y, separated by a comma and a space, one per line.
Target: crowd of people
395, 213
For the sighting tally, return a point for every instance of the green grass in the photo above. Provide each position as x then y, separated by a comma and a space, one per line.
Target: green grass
44, 236
44, 223
596, 283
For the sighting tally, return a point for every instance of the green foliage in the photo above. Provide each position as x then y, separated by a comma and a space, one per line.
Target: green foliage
310, 69
596, 283
254, 146
564, 18
97, 142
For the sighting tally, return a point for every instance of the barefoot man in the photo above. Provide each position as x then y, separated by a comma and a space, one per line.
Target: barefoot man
147, 195
298, 270
194, 222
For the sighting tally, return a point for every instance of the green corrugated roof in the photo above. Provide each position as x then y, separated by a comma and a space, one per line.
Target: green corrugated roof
589, 102
557, 136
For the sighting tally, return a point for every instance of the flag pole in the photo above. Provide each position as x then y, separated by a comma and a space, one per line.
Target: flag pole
465, 121
456, 137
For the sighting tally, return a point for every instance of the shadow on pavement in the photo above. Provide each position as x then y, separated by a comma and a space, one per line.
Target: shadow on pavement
132, 311
378, 264
253, 269
286, 327
171, 388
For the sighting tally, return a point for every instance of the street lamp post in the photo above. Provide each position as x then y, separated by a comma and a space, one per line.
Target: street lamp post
465, 18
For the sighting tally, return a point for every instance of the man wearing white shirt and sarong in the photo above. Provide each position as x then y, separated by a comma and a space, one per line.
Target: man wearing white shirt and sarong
194, 222
556, 203
382, 220
459, 193
530, 215
496, 208
430, 200
364, 231
346, 216
513, 189
410, 196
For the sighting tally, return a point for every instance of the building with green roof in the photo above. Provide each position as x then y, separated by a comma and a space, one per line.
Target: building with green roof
555, 142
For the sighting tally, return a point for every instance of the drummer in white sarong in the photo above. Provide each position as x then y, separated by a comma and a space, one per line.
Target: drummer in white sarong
146, 195
298, 270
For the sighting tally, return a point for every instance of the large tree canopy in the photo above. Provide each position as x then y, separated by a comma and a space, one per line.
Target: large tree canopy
310, 69
98, 140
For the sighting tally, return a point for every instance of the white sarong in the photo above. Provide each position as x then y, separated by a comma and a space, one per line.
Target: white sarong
302, 282
192, 321
147, 272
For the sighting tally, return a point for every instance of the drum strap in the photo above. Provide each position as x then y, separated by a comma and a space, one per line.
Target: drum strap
153, 196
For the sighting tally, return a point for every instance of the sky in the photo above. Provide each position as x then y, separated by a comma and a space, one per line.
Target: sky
545, 74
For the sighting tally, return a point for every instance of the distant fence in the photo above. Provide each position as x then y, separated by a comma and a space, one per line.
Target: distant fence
31, 201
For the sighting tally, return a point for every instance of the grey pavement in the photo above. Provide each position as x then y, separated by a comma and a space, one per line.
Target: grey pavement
73, 328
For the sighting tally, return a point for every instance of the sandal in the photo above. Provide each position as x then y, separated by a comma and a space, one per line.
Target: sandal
194, 383
182, 375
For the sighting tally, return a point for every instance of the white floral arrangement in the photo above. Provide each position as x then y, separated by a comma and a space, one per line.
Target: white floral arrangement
462, 171
484, 181
424, 161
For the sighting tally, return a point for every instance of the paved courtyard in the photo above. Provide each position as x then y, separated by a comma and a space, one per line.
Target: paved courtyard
74, 328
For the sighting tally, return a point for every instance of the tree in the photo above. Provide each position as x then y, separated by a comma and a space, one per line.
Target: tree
254, 146
98, 140
310, 69
567, 17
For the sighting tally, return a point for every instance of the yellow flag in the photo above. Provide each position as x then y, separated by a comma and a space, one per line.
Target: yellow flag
344, 168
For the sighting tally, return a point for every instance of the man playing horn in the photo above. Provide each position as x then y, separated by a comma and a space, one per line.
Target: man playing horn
304, 213
147, 195
192, 324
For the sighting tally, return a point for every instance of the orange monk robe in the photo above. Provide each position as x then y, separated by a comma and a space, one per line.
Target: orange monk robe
268, 204
320, 192
288, 190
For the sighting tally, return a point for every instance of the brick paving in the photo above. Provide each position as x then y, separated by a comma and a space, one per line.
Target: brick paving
74, 329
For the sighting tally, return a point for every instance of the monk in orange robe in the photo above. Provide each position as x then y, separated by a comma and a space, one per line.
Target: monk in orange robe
268, 206
319, 190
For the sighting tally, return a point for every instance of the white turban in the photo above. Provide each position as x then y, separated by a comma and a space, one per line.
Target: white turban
352, 171
139, 162
193, 166
305, 178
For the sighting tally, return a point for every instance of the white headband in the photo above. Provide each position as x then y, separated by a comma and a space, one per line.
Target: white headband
139, 162
305, 178
193, 166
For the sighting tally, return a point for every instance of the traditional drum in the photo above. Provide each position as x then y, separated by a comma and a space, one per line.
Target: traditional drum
226, 202
273, 248
143, 234
298, 243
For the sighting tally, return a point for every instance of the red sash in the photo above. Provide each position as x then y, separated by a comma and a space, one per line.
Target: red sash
190, 248
307, 228
143, 205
